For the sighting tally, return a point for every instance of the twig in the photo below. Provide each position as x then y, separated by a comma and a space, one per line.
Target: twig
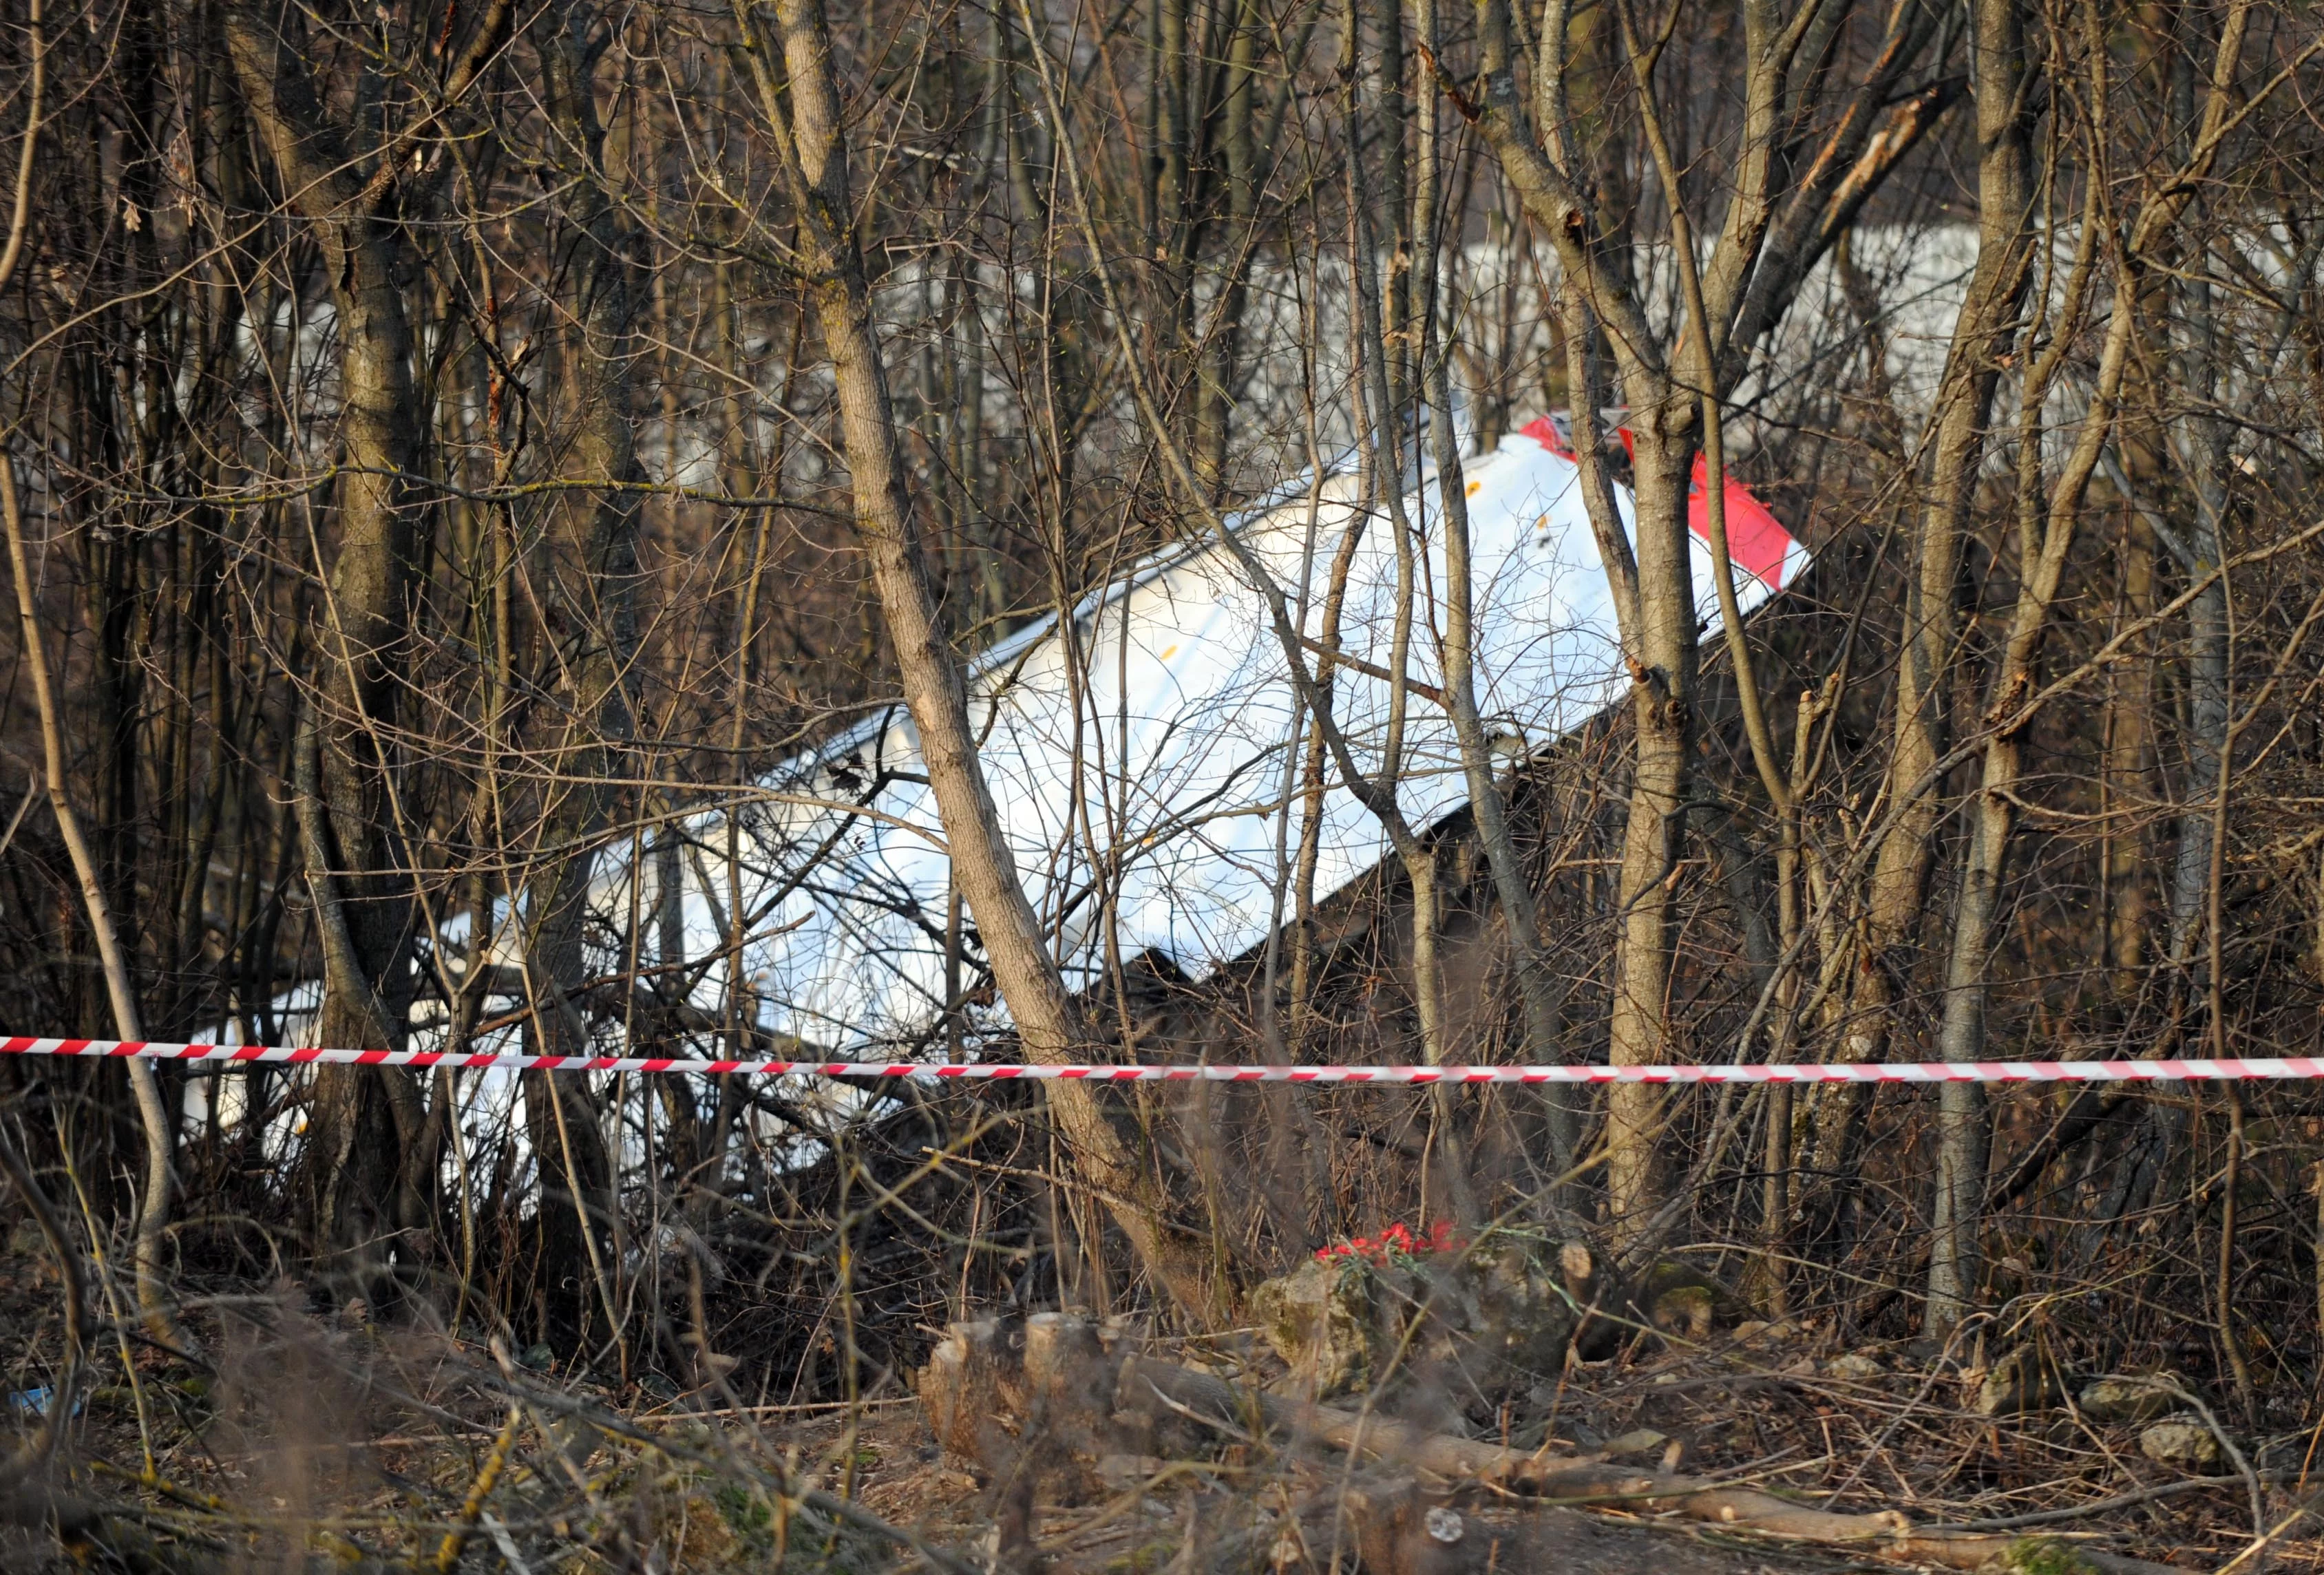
2096, 1507
2243, 1466
2261, 1543
447, 1552
822, 1503
66, 1389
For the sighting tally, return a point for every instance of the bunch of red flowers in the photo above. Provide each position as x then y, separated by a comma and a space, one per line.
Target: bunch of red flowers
1397, 1243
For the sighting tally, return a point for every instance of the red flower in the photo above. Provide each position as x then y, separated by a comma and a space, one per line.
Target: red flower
1441, 1238
1395, 1240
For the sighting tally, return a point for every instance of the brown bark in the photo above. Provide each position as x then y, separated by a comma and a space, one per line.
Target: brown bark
121, 992
1244, 173
355, 1186
1538, 987
2049, 516
120, 986
591, 571
1987, 321
2128, 748
1048, 1021
1378, 413
1783, 215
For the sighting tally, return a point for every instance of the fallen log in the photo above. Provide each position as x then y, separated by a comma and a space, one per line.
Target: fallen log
1885, 1533
1222, 1404
1038, 1395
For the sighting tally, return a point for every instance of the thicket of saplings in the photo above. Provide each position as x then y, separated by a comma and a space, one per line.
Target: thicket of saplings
452, 455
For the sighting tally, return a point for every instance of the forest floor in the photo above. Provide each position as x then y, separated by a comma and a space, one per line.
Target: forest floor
329, 1440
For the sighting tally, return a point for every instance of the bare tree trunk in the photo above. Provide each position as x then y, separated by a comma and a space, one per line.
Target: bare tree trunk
154, 1207
1536, 985
2202, 454
2046, 532
120, 987
2129, 745
1771, 235
1049, 1023
1963, 1132
349, 1185
1661, 712
1245, 171
1381, 369
1981, 333
594, 572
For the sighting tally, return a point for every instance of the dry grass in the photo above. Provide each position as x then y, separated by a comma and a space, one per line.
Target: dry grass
301, 1440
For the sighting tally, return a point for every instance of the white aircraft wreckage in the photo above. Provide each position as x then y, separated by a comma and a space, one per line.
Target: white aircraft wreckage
1144, 761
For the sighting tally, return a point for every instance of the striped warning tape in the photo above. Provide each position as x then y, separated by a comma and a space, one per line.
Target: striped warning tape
1832, 1072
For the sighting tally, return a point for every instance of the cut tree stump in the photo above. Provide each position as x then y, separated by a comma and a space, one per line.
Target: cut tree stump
972, 1388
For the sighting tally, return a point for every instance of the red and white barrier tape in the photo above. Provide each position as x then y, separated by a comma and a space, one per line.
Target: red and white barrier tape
1832, 1072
